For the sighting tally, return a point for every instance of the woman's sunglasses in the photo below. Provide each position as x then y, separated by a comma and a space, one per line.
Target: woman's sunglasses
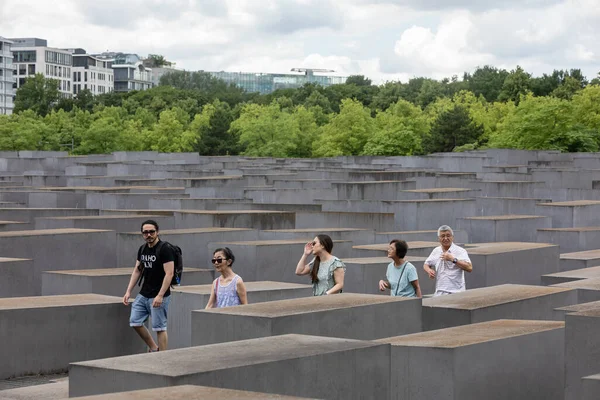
217, 260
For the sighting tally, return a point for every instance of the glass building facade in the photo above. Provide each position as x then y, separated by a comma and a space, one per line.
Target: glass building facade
264, 83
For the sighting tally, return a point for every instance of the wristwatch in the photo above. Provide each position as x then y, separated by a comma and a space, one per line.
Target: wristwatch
454, 261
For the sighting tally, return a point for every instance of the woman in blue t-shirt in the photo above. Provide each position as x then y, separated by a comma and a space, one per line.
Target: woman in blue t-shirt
401, 276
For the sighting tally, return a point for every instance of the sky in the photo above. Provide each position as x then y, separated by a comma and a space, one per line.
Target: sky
383, 40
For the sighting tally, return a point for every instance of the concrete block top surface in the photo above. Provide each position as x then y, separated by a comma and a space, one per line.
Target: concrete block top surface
311, 230
232, 212
505, 217
258, 286
581, 255
67, 300
109, 271
58, 390
101, 217
192, 230
577, 229
429, 201
474, 299
193, 360
188, 392
583, 273
591, 284
304, 305
274, 242
7, 259
505, 247
466, 335
572, 203
593, 305
411, 245
51, 232
380, 260
438, 190
590, 313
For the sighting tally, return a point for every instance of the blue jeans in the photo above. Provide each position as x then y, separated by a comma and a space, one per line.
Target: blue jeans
142, 308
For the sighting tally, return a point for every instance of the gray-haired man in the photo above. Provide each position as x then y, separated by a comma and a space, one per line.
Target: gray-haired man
447, 264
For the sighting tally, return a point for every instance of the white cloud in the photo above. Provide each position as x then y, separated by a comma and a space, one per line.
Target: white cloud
383, 40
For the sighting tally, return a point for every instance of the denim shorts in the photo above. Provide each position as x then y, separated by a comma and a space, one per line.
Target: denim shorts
141, 309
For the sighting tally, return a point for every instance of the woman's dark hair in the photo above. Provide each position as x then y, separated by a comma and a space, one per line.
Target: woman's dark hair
401, 247
228, 254
149, 222
327, 244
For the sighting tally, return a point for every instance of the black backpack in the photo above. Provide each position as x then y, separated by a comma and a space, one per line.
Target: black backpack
178, 268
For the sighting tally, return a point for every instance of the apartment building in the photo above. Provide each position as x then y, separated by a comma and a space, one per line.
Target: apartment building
32, 55
92, 73
7, 80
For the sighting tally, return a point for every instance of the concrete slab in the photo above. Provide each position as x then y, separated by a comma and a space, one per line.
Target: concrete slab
510, 262
569, 276
480, 361
582, 350
504, 228
265, 260
357, 236
193, 243
367, 220
570, 214
590, 386
119, 223
507, 205
571, 239
58, 249
418, 236
71, 326
29, 214
108, 281
195, 297
50, 391
255, 219
346, 315
415, 249
188, 392
579, 260
363, 274
16, 278
496, 302
560, 312
264, 365
587, 289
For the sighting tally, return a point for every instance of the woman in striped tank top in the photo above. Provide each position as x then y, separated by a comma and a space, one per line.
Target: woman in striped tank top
228, 289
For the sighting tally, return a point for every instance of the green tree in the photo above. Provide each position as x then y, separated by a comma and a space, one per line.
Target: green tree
399, 131
347, 132
104, 133
452, 129
586, 107
213, 126
486, 81
38, 94
266, 131
567, 89
516, 85
23, 131
170, 134
540, 123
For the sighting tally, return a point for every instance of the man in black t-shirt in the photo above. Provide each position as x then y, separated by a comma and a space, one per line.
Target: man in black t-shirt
154, 297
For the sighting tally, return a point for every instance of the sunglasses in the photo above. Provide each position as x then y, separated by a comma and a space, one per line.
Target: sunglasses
313, 243
217, 260
152, 232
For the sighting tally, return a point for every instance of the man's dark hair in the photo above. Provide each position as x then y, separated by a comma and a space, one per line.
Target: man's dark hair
401, 247
149, 222
227, 252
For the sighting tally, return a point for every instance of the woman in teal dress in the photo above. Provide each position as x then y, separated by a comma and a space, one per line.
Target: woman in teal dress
326, 270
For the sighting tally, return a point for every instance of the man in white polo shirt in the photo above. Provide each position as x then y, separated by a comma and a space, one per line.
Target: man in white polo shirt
447, 264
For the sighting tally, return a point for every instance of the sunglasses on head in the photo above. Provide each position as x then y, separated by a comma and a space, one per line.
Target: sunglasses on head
217, 260
151, 232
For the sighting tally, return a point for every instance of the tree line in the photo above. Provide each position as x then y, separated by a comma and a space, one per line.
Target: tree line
195, 112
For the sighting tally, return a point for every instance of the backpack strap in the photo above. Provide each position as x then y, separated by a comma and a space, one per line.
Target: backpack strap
216, 289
